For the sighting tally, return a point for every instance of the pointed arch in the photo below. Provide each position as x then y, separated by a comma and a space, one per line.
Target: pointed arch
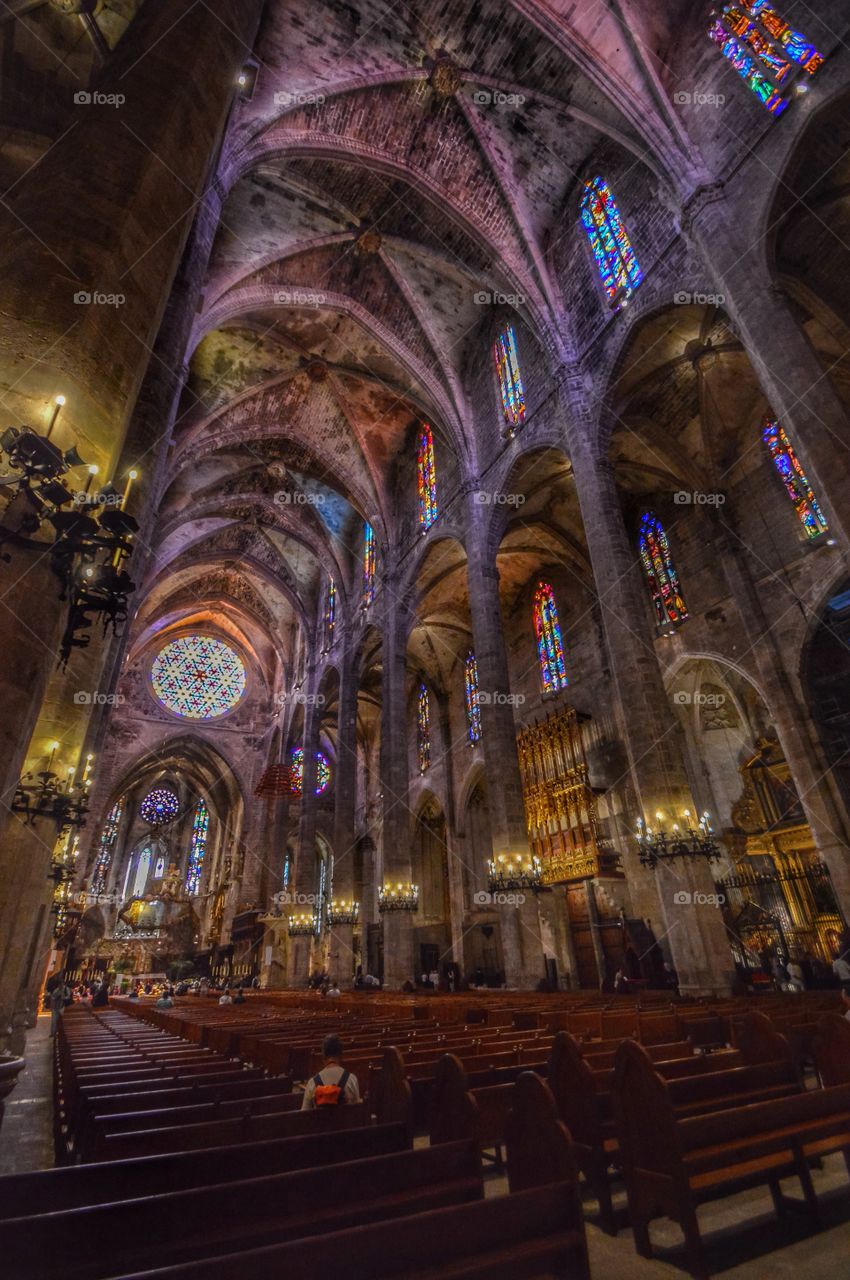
612, 249
426, 478
550, 643
793, 476
660, 572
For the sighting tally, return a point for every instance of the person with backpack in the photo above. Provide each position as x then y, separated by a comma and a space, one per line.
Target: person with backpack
333, 1086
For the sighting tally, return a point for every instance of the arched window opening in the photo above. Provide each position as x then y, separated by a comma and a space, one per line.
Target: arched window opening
106, 847
609, 242
369, 562
550, 644
793, 476
197, 848
423, 721
510, 378
426, 476
663, 582
473, 703
764, 50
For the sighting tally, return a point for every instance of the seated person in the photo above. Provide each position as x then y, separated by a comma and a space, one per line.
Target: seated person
164, 1001
225, 997
333, 1086
239, 998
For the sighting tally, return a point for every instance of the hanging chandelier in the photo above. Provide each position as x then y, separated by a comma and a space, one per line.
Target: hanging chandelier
657, 844
46, 795
398, 897
343, 912
302, 925
507, 873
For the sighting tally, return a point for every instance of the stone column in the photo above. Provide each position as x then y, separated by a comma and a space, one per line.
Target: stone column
799, 390
396, 816
24, 921
520, 925
341, 953
694, 933
303, 875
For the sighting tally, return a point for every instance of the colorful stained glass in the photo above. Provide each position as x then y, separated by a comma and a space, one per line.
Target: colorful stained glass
323, 772
510, 378
797, 46
330, 614
198, 677
793, 476
473, 701
736, 54
106, 847
369, 563
426, 476
612, 249
660, 574
550, 644
198, 847
777, 66
423, 726
159, 806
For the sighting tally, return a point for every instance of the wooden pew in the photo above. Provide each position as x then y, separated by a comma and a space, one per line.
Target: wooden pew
213, 1133
673, 1165
96, 1242
831, 1049
51, 1190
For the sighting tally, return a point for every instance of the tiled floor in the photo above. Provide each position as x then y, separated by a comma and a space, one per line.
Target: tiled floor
26, 1135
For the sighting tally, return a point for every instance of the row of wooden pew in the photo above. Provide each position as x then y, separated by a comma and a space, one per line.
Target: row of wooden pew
181, 1194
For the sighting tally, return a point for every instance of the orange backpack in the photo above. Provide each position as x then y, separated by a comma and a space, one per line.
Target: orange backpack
330, 1095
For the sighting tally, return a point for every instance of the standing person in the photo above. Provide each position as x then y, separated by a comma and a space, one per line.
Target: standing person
57, 1006
333, 1086
100, 996
796, 981
841, 969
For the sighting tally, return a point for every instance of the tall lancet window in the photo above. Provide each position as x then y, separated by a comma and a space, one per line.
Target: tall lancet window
764, 50
609, 241
198, 847
793, 477
423, 727
426, 477
369, 563
329, 621
550, 643
510, 378
473, 701
106, 847
660, 573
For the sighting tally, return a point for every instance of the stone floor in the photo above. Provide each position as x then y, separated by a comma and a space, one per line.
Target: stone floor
745, 1239
26, 1136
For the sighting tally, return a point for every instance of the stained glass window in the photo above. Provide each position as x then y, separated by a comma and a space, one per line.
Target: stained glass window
473, 704
198, 847
793, 476
198, 677
660, 574
550, 644
330, 614
423, 723
763, 49
510, 378
612, 249
159, 806
106, 847
323, 772
426, 476
368, 564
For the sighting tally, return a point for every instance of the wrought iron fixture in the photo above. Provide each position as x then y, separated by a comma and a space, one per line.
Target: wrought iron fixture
506, 872
50, 797
302, 925
657, 844
91, 532
398, 897
343, 912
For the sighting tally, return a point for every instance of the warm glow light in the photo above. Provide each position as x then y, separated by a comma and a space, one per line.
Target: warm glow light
60, 400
